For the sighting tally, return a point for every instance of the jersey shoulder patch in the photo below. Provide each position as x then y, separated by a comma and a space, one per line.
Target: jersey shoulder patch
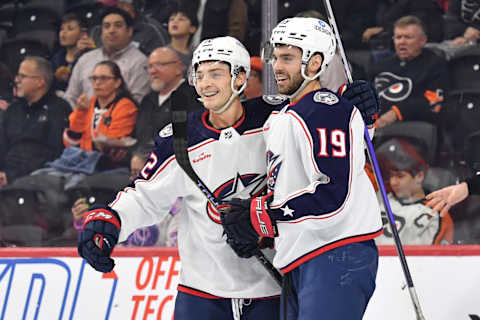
167, 131
325, 98
274, 99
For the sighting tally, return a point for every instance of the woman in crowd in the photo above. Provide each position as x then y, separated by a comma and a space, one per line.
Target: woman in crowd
105, 121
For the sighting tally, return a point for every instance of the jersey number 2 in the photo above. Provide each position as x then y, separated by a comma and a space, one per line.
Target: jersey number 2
337, 141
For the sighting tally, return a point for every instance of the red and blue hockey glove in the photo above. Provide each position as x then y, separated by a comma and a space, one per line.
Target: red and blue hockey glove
101, 227
245, 222
363, 95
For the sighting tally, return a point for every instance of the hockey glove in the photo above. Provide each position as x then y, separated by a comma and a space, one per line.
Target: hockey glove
247, 220
363, 95
101, 227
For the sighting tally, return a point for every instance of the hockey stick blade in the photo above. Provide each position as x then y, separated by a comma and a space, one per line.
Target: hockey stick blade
180, 148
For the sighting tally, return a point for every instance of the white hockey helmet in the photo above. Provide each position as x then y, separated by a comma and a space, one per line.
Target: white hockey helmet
226, 49
309, 34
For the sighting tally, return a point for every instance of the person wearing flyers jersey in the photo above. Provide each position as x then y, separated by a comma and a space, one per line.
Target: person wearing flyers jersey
320, 208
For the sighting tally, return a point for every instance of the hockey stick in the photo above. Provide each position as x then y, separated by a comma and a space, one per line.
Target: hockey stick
180, 147
378, 177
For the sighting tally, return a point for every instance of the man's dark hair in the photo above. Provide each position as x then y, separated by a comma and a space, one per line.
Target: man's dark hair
187, 12
115, 10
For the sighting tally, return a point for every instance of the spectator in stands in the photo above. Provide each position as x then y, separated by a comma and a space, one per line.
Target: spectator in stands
416, 222
429, 12
166, 76
182, 25
6, 89
31, 131
74, 41
148, 33
254, 82
103, 122
117, 30
412, 83
221, 18
463, 22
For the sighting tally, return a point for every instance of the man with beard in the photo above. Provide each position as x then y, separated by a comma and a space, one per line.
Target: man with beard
412, 83
166, 76
320, 208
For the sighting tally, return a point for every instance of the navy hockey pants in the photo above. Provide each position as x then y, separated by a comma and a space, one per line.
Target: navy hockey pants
335, 285
191, 307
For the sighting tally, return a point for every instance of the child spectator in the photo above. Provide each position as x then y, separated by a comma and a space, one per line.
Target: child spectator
417, 224
74, 41
182, 25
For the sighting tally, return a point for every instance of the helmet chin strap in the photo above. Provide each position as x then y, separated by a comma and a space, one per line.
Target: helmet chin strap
306, 81
235, 93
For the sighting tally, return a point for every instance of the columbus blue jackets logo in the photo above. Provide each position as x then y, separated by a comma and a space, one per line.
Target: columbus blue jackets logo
392, 87
325, 98
242, 186
273, 165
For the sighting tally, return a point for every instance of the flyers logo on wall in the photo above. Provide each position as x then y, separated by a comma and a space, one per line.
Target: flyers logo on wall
392, 87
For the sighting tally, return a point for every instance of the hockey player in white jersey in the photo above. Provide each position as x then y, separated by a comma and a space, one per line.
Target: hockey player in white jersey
227, 150
320, 208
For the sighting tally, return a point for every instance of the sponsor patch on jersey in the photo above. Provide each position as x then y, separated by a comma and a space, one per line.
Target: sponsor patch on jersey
325, 98
167, 131
274, 99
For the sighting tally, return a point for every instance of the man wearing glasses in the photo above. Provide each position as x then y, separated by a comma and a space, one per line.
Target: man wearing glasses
117, 30
166, 76
31, 131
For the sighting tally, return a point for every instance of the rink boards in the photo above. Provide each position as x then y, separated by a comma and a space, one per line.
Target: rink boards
53, 283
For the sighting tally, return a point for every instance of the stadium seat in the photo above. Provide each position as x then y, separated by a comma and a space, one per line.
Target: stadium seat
35, 18
99, 188
464, 68
437, 178
461, 118
472, 151
56, 6
466, 217
35, 201
422, 134
91, 11
14, 51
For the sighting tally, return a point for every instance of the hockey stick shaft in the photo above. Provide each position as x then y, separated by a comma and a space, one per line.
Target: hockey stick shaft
378, 176
180, 147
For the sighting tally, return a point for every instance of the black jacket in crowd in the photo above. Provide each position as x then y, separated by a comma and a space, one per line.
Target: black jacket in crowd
32, 135
153, 117
415, 89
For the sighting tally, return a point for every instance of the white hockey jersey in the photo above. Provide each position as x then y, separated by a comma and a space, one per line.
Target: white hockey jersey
231, 162
416, 224
322, 196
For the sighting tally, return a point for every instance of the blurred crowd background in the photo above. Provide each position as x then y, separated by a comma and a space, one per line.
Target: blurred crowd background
85, 88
